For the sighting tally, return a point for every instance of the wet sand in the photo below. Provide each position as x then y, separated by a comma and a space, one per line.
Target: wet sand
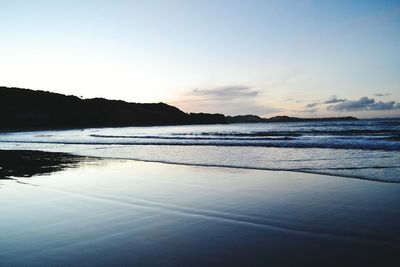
27, 163
127, 213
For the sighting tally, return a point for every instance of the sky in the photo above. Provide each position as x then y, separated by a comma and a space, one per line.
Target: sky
299, 58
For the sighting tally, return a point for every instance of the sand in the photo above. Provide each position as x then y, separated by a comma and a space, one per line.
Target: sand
129, 213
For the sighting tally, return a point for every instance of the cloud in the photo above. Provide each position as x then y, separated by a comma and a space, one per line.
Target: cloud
227, 92
386, 94
334, 100
229, 100
364, 103
311, 105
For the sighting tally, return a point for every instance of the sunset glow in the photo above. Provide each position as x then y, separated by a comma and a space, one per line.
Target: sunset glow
289, 54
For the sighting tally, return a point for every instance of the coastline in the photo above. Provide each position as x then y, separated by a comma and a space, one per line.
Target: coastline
153, 213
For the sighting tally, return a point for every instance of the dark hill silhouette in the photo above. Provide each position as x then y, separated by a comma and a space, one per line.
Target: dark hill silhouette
29, 109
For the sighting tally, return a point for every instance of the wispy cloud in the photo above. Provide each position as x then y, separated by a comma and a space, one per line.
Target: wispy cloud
386, 94
334, 100
230, 100
363, 104
311, 105
227, 92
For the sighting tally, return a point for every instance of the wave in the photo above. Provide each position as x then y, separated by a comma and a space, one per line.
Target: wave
264, 134
354, 132
187, 137
362, 144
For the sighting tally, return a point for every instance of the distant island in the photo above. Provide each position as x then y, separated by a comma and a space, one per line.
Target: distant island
31, 109
257, 119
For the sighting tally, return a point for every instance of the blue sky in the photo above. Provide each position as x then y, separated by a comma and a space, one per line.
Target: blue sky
235, 57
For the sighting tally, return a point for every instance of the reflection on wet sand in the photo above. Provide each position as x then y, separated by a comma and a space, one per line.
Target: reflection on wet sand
130, 213
24, 163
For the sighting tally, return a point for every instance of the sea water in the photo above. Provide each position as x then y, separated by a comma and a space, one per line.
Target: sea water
364, 149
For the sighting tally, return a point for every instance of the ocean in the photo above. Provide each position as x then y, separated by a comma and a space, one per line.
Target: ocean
363, 149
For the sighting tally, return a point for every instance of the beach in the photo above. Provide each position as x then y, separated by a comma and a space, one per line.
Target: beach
199, 133
103, 212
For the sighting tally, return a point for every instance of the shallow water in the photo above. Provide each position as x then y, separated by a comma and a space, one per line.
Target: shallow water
365, 149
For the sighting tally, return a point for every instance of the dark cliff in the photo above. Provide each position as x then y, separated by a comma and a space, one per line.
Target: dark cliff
24, 108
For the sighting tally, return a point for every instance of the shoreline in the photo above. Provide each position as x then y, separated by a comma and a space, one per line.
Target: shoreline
75, 158
246, 168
